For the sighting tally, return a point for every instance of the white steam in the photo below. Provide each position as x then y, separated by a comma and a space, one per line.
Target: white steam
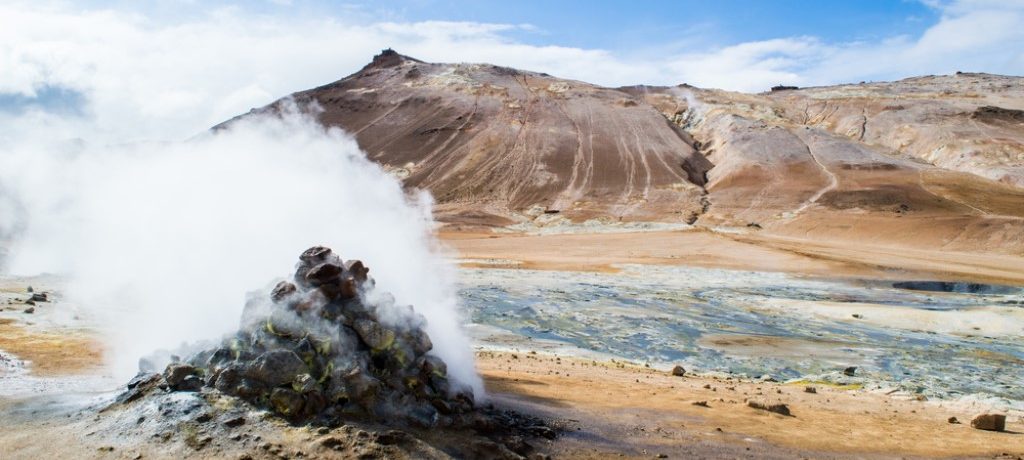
162, 241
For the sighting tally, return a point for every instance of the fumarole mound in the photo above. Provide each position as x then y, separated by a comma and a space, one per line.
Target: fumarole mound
317, 350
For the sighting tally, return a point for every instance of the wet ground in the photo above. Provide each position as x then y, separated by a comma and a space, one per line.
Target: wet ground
961, 344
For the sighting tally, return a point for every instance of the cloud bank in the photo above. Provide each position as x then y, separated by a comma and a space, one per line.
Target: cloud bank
143, 78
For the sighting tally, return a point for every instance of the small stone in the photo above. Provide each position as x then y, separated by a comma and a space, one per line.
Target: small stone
678, 371
700, 403
304, 383
989, 422
953, 420
234, 422
29, 310
849, 371
810, 390
778, 408
39, 297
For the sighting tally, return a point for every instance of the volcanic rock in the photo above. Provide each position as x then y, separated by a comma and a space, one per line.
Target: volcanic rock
309, 353
989, 422
276, 367
282, 291
323, 273
778, 408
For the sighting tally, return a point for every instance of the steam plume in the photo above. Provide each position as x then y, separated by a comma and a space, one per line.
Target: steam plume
162, 241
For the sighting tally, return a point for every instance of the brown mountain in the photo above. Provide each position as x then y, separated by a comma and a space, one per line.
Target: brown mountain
925, 162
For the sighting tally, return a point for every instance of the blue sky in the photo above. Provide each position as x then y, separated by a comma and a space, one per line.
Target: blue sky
169, 68
621, 25
613, 25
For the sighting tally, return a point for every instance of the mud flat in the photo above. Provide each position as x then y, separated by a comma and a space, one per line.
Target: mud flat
770, 325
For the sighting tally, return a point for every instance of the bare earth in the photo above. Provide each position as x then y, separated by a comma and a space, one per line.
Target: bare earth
738, 251
628, 409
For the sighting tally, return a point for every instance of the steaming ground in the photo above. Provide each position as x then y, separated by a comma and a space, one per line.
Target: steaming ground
162, 241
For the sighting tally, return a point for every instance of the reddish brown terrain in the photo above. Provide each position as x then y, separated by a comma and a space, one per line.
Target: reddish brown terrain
927, 163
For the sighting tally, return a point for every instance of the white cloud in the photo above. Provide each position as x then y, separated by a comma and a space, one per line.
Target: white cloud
147, 78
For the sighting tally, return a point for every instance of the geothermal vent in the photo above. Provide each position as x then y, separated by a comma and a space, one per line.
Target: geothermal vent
316, 350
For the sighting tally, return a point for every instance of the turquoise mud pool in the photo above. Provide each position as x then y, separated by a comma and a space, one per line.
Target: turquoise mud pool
940, 344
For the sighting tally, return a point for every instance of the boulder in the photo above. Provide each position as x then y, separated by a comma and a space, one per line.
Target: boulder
989, 422
286, 401
276, 367
678, 371
323, 273
282, 291
374, 335
357, 270
176, 373
315, 254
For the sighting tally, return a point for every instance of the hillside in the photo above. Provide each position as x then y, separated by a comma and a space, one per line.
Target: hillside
932, 162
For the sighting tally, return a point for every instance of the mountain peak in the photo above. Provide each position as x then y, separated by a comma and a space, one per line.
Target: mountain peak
389, 58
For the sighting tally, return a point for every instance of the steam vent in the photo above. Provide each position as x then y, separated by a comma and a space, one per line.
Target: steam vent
316, 350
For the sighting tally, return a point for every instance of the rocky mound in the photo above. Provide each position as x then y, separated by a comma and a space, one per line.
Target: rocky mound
316, 349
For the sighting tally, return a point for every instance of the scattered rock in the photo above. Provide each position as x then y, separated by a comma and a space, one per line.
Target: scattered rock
989, 422
778, 408
176, 373
39, 297
700, 403
953, 420
849, 371
678, 371
810, 390
29, 310
234, 422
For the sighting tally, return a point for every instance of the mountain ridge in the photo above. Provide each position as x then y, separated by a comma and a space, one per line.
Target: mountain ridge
499, 147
